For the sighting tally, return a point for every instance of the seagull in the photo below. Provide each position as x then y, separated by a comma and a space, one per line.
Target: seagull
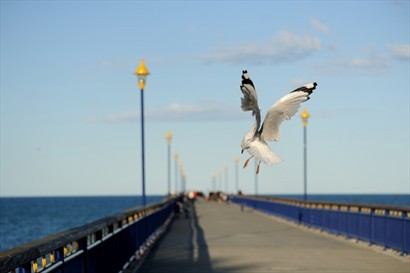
255, 140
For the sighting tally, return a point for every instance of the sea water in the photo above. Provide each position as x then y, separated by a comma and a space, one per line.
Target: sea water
23, 220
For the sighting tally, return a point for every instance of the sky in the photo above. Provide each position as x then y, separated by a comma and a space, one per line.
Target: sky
70, 103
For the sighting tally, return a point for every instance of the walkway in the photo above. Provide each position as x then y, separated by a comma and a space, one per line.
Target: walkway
220, 238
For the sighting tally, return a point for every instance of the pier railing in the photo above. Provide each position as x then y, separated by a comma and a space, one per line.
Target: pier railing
380, 225
110, 244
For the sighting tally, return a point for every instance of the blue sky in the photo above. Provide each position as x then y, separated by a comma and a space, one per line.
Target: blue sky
70, 104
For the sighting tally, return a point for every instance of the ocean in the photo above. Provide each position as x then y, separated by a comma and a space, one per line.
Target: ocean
25, 219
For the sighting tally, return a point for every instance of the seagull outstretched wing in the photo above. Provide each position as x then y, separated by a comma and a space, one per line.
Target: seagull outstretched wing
249, 102
284, 109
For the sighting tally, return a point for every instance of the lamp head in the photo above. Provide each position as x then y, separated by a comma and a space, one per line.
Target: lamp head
142, 73
304, 116
168, 137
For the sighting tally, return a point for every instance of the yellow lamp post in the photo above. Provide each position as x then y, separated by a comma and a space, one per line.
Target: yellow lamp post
142, 73
256, 177
183, 176
168, 137
176, 155
220, 180
305, 117
236, 160
226, 179
213, 179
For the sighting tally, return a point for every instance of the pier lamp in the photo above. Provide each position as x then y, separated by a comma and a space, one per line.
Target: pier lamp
176, 155
168, 137
236, 160
142, 73
184, 186
220, 180
226, 179
214, 176
182, 174
256, 177
305, 117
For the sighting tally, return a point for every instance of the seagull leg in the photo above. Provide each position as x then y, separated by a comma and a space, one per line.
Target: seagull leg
257, 168
246, 162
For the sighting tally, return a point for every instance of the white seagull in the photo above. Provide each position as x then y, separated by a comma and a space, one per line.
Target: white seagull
255, 140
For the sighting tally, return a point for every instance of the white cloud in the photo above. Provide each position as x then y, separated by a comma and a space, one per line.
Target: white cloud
202, 111
373, 65
316, 24
399, 51
283, 47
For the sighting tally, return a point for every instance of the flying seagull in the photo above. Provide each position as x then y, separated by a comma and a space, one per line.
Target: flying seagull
255, 140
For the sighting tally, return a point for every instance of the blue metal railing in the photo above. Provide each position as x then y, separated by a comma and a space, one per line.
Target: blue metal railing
107, 245
385, 226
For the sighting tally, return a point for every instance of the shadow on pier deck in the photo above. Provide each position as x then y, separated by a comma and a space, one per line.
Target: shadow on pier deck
222, 238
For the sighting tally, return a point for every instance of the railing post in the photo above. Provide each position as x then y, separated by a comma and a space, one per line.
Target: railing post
386, 228
371, 226
403, 247
82, 243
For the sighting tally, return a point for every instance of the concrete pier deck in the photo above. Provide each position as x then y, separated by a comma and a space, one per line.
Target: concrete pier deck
222, 238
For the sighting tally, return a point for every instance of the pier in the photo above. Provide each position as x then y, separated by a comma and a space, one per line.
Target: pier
244, 234
227, 238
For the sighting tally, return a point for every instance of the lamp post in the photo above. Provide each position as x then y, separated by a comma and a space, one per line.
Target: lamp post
213, 182
176, 155
256, 177
184, 181
236, 160
305, 117
182, 172
168, 137
220, 180
142, 73
226, 179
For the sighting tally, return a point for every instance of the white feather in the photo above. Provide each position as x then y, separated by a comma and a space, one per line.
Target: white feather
282, 110
262, 152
